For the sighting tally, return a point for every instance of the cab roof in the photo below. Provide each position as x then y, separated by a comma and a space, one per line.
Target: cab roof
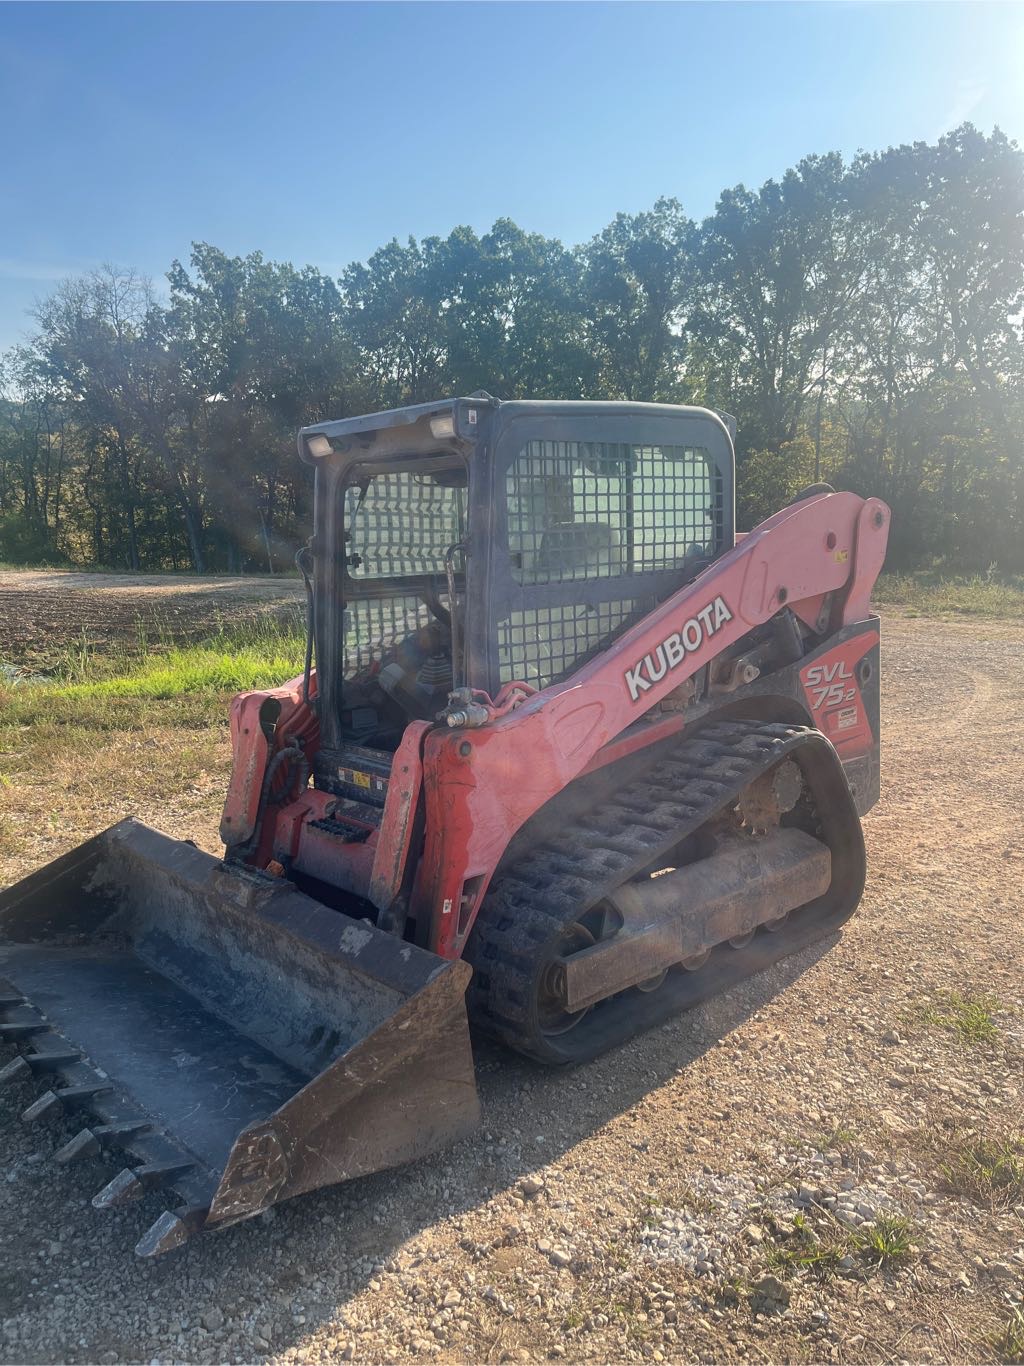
463, 418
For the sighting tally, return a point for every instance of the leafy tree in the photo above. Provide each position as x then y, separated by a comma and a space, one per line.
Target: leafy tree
261, 349
393, 313
862, 321
514, 315
637, 281
775, 270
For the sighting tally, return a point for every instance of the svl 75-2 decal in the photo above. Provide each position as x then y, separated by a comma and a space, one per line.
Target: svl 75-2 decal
832, 686
829, 684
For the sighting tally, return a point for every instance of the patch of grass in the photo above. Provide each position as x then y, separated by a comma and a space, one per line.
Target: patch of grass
1008, 1344
823, 1259
838, 1137
822, 1251
192, 670
887, 1240
932, 593
807, 1250
969, 1017
261, 654
38, 726
988, 1170
142, 731
255, 654
165, 763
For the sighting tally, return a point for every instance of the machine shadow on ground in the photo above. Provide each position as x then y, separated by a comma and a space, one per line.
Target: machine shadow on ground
539, 1113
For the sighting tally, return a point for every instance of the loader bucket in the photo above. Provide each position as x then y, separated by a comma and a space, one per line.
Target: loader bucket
238, 1041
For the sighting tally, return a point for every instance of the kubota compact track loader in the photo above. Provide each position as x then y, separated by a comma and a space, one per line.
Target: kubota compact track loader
574, 755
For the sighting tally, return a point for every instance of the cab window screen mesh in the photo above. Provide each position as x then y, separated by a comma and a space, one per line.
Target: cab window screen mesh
586, 509
374, 626
542, 644
401, 524
599, 512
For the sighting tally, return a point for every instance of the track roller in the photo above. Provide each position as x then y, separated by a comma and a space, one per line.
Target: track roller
598, 905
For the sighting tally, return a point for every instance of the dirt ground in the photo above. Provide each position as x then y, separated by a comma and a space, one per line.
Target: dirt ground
41, 609
643, 1208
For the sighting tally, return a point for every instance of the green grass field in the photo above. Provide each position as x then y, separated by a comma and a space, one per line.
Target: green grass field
262, 653
926, 593
136, 730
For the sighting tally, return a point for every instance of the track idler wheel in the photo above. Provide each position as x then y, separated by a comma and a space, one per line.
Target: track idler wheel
553, 1017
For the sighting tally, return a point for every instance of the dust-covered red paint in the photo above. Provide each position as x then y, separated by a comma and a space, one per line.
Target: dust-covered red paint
477, 787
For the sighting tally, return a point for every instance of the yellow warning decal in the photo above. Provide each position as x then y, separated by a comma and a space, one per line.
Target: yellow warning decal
370, 782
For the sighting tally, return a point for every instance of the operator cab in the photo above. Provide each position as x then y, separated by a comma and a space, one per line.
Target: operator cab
473, 543
404, 529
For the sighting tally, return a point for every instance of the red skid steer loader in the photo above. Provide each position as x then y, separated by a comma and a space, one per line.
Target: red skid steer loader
574, 756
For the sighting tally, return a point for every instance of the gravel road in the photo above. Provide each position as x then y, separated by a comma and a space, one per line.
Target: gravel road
643, 1208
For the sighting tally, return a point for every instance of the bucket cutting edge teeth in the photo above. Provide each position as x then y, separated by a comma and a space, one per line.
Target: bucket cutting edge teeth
54, 1101
84, 1144
22, 1029
91, 1141
51, 1061
17, 1067
131, 1184
170, 1231
124, 1188
47, 1104
221, 1094
28, 1064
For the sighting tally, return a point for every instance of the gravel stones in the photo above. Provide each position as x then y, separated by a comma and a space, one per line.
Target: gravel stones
713, 1234
770, 1295
649, 1169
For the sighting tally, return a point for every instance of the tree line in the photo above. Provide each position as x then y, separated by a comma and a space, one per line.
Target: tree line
862, 320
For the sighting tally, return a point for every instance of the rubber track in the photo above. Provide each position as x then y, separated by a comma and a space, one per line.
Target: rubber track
553, 885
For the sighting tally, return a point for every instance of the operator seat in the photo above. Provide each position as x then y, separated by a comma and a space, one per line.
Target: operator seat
579, 550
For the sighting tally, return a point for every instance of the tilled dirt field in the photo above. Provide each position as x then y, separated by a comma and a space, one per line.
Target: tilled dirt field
643, 1208
43, 610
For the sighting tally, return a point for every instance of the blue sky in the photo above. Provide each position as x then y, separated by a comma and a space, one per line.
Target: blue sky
317, 132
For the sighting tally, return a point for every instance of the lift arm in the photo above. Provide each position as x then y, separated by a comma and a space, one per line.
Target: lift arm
482, 785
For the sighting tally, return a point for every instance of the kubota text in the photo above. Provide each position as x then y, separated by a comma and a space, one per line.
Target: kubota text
674, 648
